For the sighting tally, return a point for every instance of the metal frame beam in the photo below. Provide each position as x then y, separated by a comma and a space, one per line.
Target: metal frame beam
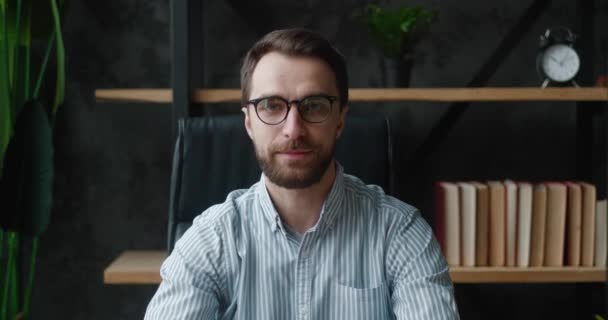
455, 111
187, 55
179, 66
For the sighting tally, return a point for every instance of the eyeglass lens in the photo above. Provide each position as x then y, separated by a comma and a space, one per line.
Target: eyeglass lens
273, 110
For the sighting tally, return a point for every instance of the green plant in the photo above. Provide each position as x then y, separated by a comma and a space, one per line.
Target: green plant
397, 31
29, 31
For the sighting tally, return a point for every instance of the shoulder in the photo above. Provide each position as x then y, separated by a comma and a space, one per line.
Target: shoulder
219, 222
402, 224
377, 201
227, 212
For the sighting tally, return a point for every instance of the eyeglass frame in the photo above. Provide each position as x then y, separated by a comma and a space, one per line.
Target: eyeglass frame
331, 99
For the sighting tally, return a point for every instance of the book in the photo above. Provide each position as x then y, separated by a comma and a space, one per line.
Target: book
524, 223
511, 211
482, 224
601, 234
588, 224
555, 224
497, 224
467, 231
447, 221
539, 217
573, 224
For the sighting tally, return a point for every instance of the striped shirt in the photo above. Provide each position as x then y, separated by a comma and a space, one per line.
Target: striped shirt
370, 256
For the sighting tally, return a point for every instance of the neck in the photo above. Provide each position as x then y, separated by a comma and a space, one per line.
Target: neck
301, 208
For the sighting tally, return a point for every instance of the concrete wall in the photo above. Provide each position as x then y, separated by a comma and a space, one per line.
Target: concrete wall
113, 159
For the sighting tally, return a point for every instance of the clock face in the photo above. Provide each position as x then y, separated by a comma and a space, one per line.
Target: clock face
560, 63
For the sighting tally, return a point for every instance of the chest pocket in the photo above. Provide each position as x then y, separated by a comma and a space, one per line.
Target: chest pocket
355, 303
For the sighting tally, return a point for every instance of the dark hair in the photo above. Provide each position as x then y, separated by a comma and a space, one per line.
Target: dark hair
295, 42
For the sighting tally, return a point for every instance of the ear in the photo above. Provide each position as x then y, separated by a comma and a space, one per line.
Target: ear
341, 121
247, 122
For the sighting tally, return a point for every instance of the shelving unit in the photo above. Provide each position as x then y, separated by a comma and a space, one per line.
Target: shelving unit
376, 94
142, 267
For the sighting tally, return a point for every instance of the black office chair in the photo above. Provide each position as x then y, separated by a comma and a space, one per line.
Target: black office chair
214, 155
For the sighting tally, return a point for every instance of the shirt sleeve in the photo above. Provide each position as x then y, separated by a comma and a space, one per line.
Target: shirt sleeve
420, 283
192, 283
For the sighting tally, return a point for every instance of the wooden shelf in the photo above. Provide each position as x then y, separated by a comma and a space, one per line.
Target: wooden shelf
527, 275
135, 267
377, 94
142, 267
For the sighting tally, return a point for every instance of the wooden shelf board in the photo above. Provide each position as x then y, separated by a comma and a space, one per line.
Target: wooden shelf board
135, 95
527, 275
377, 94
135, 267
142, 267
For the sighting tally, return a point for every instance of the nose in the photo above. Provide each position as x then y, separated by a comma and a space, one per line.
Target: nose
293, 126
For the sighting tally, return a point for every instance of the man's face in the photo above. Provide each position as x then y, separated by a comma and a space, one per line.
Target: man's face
294, 153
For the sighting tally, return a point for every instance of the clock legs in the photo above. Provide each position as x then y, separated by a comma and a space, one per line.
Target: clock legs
545, 83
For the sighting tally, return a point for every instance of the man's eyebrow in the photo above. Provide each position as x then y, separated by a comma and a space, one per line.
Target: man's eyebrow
276, 95
268, 95
317, 93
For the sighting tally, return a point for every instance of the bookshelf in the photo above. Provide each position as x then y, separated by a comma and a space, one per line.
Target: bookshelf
504, 94
142, 267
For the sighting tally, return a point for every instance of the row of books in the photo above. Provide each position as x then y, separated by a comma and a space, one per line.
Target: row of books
520, 224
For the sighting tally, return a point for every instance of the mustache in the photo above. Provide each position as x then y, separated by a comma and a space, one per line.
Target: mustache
292, 145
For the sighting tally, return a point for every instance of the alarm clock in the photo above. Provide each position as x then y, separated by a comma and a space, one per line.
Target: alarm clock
557, 61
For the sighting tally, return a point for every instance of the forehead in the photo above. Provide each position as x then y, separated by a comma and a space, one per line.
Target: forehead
291, 76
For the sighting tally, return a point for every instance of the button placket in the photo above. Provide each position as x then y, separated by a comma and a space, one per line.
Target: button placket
305, 280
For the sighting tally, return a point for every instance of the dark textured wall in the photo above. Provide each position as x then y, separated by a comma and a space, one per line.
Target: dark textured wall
113, 159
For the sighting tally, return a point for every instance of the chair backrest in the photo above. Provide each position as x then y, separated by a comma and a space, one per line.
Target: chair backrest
214, 156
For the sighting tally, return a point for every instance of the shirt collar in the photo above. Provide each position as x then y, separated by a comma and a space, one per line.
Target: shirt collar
329, 211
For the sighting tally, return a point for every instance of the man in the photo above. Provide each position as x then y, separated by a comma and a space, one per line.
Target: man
307, 241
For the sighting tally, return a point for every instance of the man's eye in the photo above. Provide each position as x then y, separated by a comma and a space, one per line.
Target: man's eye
271, 106
314, 105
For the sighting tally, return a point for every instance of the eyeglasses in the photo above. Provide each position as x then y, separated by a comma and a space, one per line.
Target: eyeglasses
274, 110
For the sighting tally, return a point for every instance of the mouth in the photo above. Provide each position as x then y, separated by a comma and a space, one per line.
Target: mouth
295, 154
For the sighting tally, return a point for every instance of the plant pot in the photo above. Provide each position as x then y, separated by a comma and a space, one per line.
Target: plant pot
397, 72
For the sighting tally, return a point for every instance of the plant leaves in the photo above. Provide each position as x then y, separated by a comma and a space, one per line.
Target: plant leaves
18, 67
397, 31
5, 94
13, 308
60, 83
30, 283
27, 185
42, 71
8, 275
26, 35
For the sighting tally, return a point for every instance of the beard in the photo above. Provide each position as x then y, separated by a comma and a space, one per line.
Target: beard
295, 174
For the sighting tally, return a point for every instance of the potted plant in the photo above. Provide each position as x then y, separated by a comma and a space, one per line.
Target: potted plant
397, 32
30, 37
